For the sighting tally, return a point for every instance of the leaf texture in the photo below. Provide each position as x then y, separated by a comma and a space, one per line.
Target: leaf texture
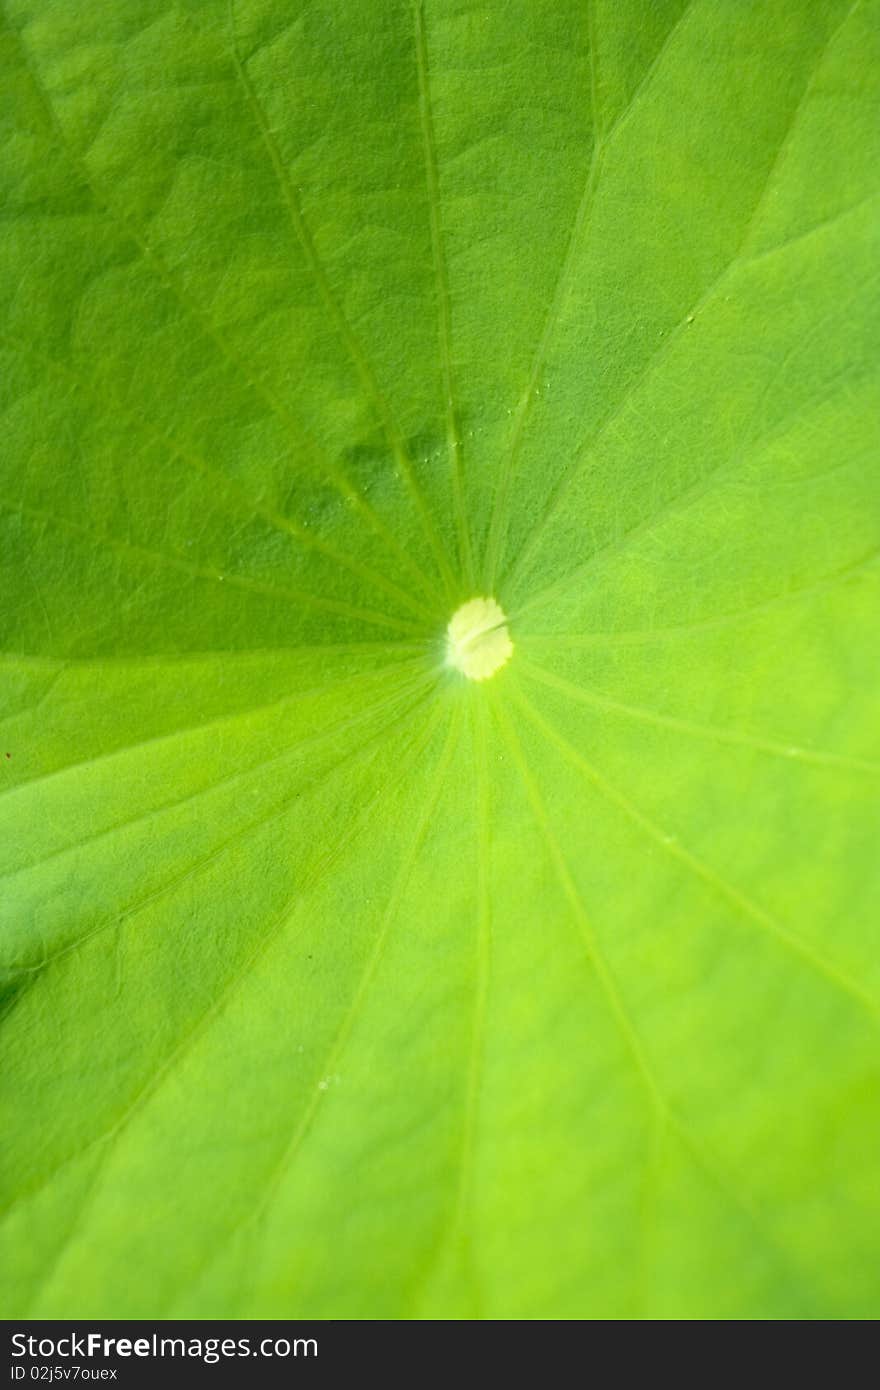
334, 984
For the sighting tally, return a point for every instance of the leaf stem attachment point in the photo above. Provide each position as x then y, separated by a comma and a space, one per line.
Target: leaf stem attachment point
477, 640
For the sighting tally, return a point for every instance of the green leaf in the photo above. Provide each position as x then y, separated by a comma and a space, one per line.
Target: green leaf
335, 983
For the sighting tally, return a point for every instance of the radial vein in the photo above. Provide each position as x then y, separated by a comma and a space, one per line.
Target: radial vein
188, 1041
657, 357
790, 751
573, 898
752, 441
234, 580
299, 746
287, 526
663, 1112
503, 494
368, 378
444, 326
273, 1182
825, 968
865, 564
157, 266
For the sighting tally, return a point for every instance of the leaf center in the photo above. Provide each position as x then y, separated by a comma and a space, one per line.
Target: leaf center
477, 640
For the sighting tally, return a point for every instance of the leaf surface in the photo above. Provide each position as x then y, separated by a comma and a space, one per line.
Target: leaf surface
334, 984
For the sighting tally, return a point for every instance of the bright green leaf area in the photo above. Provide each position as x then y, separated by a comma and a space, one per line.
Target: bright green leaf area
336, 984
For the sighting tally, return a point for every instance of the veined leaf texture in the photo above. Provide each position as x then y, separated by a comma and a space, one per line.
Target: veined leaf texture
336, 984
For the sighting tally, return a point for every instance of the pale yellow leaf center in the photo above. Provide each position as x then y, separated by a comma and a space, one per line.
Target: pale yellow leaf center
477, 641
